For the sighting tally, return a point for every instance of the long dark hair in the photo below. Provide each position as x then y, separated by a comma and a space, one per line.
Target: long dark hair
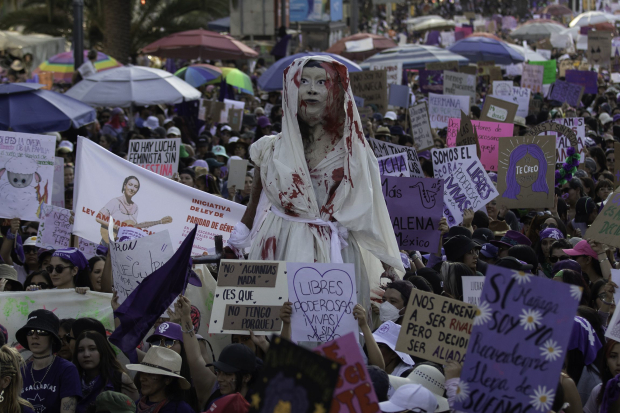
598, 154
82, 278
606, 374
43, 274
110, 370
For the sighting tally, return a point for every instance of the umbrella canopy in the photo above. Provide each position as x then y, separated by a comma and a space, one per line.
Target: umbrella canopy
484, 34
529, 54
239, 80
379, 43
414, 56
272, 78
219, 25
535, 30
591, 17
62, 65
416, 20
478, 49
556, 10
433, 24
25, 107
127, 85
199, 74
199, 44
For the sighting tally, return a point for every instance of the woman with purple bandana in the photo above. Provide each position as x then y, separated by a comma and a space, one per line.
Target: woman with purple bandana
605, 398
69, 269
543, 248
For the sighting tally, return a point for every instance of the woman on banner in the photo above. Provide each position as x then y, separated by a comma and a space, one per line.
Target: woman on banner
318, 180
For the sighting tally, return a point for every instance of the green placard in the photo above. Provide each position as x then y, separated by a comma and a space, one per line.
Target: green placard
550, 70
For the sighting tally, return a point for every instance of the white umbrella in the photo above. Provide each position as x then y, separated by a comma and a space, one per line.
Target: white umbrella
591, 17
433, 24
416, 20
529, 54
127, 85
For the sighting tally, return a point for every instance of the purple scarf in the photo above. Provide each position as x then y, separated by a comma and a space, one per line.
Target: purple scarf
612, 392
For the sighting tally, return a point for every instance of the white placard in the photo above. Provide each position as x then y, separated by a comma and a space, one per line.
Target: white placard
54, 228
394, 165
472, 289
158, 155
58, 195
443, 107
381, 149
520, 96
236, 173
362, 45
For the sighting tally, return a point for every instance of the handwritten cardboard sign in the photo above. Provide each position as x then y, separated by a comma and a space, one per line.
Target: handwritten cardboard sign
394, 165
443, 107
549, 71
472, 289
489, 134
381, 149
526, 173
421, 126
606, 227
372, 87
323, 297
467, 134
532, 77
54, 227
455, 83
354, 392
435, 328
520, 96
158, 155
564, 65
599, 48
560, 128
585, 78
235, 118
518, 343
415, 206
496, 110
452, 65
248, 296
466, 184
394, 72
566, 92
577, 125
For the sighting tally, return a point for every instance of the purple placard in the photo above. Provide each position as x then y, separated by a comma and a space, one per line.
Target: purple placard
433, 38
583, 78
431, 81
415, 206
566, 92
518, 343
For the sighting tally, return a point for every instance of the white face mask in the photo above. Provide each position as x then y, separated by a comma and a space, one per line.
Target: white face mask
387, 312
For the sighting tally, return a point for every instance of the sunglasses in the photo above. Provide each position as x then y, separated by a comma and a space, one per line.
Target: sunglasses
30, 250
553, 259
58, 268
42, 285
41, 333
166, 342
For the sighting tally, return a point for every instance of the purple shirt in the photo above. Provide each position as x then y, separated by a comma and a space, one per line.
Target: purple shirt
62, 381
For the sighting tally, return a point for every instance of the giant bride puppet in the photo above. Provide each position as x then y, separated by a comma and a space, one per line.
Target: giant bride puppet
319, 196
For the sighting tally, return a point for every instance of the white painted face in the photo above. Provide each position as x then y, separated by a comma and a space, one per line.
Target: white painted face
313, 94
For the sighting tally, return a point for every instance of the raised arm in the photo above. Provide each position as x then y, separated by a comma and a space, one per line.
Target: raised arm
106, 278
250, 211
374, 354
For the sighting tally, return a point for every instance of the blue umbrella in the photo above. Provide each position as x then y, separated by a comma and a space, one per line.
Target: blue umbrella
413, 56
478, 49
25, 107
272, 78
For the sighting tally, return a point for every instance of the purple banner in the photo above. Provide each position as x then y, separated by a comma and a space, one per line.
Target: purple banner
415, 206
566, 92
584, 78
431, 81
518, 344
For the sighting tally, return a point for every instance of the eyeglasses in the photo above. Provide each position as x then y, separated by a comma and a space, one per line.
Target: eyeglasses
553, 259
41, 333
42, 285
58, 268
30, 250
67, 338
166, 342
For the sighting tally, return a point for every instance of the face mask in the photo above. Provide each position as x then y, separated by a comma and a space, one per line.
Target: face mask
387, 312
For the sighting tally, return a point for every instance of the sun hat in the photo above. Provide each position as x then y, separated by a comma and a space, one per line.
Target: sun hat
457, 246
73, 255
458, 230
225, 128
554, 233
174, 131
219, 150
65, 147
10, 274
164, 362
17, 65
234, 358
489, 251
430, 378
387, 333
114, 402
232, 403
40, 320
582, 248
169, 330
390, 115
30, 242
383, 131
151, 122
410, 397
512, 238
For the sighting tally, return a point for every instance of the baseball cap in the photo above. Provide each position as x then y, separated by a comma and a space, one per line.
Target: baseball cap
582, 248
173, 131
202, 142
390, 115
65, 147
234, 358
411, 397
226, 128
263, 121
219, 150
151, 122
489, 250
482, 235
167, 330
30, 242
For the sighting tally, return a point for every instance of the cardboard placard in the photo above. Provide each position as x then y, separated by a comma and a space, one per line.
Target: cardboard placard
564, 65
519, 96
372, 87
523, 355
47, 79
532, 77
394, 72
526, 172
323, 297
421, 126
443, 107
589, 80
467, 134
435, 328
381, 149
399, 96
431, 81
606, 227
577, 125
54, 228
599, 48
415, 206
472, 289
566, 93
554, 127
248, 296
235, 119
496, 110
157, 155
455, 83
495, 74
394, 165
452, 65
236, 173
470, 70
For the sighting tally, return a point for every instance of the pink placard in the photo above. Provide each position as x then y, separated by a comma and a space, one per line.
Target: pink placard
488, 136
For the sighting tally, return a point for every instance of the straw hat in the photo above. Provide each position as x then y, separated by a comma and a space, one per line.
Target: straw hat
161, 361
428, 377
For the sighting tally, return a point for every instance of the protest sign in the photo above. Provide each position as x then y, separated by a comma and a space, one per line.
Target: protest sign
54, 228
532, 77
228, 105
421, 126
399, 96
249, 296
394, 165
26, 174
606, 227
466, 184
472, 289
202, 110
559, 127
372, 87
564, 65
211, 109
484, 67
89, 249
235, 118
100, 175
63, 303
394, 72
435, 328
577, 125
293, 379
134, 260
158, 155
58, 194
236, 173
599, 48
585, 78
467, 134
354, 392
359, 102
549, 71
323, 297
415, 206
381, 149
613, 331
526, 172
566, 93
535, 106
496, 110
518, 343
616, 166
544, 53
455, 83
519, 96
443, 107
502, 87
452, 65
489, 134
431, 81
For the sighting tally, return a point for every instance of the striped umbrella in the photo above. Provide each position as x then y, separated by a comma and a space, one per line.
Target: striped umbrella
199, 74
62, 66
413, 56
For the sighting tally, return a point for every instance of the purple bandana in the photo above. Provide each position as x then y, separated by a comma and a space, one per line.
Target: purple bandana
585, 339
73, 255
554, 233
